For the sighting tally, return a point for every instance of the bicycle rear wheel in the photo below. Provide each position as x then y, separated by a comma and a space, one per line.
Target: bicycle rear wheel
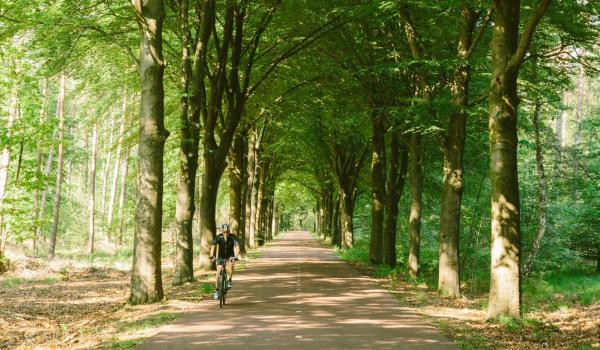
222, 289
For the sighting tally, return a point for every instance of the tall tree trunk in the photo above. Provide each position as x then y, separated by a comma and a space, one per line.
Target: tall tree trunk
236, 169
38, 168
252, 190
581, 93
395, 186
146, 275
188, 160
92, 191
44, 201
415, 178
541, 176
123, 197
60, 111
454, 145
377, 187
346, 214
107, 162
274, 215
4, 164
208, 203
336, 238
251, 166
508, 52
115, 179
259, 212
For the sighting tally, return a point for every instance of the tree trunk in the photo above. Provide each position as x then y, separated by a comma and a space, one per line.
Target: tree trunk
236, 169
253, 190
377, 187
336, 238
123, 197
107, 162
44, 201
581, 94
346, 214
454, 145
395, 186
541, 176
416, 193
38, 168
92, 190
60, 111
274, 215
115, 179
146, 275
4, 164
251, 166
188, 160
208, 203
508, 52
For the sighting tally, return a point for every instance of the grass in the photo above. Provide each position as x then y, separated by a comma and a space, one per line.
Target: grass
152, 321
562, 291
16, 281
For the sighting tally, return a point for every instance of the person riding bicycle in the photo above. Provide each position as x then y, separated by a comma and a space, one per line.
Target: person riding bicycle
228, 248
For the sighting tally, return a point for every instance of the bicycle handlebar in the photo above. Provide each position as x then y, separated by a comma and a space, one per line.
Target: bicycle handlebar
221, 261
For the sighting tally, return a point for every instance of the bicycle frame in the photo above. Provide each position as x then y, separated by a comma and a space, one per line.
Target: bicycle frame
222, 281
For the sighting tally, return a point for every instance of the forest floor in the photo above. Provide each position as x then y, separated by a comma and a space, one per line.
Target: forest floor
464, 320
71, 305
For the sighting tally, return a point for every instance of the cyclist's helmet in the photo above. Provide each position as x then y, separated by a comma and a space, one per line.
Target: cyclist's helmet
225, 228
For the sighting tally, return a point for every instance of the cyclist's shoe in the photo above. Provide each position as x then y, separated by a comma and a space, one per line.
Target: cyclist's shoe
216, 294
229, 284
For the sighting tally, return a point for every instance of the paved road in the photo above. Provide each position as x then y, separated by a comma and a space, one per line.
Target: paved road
300, 296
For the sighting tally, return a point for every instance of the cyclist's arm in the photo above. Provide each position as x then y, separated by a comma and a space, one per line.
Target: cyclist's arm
236, 249
212, 250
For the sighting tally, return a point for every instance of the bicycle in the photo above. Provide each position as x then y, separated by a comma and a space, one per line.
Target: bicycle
222, 280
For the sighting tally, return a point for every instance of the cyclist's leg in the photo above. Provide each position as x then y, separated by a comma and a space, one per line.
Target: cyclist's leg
219, 267
229, 268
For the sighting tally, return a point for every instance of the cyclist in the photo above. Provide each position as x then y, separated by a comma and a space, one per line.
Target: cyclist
227, 247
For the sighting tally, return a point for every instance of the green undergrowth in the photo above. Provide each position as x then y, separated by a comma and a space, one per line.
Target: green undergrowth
549, 292
562, 290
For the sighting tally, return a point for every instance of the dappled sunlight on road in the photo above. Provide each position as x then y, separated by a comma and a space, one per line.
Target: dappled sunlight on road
300, 296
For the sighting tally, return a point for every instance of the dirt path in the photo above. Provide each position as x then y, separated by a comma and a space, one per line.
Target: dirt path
300, 296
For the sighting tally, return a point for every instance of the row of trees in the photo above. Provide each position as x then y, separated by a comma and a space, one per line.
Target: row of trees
289, 95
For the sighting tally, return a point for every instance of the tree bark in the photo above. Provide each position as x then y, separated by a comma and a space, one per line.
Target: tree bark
107, 162
336, 239
208, 203
4, 164
346, 214
60, 111
377, 187
508, 52
38, 168
395, 187
236, 170
541, 177
115, 178
188, 160
146, 276
416, 191
92, 191
123, 197
454, 145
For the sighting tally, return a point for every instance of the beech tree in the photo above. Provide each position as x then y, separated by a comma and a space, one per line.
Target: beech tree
146, 276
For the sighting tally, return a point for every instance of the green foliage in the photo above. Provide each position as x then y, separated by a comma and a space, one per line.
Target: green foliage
563, 289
